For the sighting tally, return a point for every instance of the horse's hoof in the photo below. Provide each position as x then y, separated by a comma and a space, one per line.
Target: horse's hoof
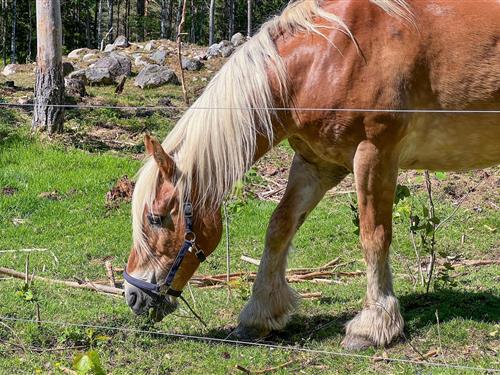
355, 342
247, 333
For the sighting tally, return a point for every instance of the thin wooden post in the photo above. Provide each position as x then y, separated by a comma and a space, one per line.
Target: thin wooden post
49, 88
179, 54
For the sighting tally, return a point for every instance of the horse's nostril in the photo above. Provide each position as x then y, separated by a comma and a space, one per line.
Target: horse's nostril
132, 299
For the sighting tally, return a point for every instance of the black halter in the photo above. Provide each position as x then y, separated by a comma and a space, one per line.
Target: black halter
188, 245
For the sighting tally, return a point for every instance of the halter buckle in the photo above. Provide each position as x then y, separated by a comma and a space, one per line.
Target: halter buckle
188, 209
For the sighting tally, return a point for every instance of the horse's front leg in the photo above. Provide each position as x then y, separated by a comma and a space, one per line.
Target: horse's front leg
272, 300
380, 321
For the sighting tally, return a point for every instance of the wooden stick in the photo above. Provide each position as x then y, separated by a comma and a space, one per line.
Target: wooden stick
311, 295
331, 263
253, 261
271, 369
110, 273
73, 284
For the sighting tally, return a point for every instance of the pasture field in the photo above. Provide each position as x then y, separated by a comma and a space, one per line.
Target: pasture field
52, 196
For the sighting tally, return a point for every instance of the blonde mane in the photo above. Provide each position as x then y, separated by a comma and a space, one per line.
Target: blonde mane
214, 141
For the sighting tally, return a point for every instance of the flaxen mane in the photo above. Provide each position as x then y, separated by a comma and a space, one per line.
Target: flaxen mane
214, 141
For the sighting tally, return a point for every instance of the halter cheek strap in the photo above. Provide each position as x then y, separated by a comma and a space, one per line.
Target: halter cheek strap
189, 245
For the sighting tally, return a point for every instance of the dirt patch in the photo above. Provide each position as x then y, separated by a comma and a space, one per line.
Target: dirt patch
51, 195
121, 192
8, 191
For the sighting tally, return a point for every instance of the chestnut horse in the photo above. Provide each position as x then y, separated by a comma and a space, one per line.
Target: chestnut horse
440, 55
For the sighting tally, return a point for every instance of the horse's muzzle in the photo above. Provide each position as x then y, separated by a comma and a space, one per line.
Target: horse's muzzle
141, 303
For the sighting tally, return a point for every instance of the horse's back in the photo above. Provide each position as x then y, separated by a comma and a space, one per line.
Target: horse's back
449, 61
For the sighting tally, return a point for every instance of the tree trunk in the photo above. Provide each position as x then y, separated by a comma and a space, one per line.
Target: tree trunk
163, 19
30, 32
127, 20
49, 88
4, 31
140, 14
249, 18
211, 23
110, 21
99, 24
13, 44
232, 10
118, 5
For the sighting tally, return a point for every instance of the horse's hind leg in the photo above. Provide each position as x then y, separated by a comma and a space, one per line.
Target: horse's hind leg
380, 320
272, 300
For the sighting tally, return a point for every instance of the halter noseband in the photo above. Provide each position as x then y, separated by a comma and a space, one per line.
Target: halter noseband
189, 244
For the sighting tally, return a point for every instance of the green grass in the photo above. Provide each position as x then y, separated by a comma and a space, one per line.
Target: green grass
81, 231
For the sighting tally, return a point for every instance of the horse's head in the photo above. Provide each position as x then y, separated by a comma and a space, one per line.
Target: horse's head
175, 239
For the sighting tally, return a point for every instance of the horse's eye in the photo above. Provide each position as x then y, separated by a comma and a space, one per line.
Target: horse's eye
155, 220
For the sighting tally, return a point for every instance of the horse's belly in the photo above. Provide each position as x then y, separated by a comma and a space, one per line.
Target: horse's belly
449, 142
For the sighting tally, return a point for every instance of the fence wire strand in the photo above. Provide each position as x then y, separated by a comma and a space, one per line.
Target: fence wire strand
276, 109
251, 344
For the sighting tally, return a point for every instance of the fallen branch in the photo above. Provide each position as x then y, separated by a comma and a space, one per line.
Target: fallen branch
271, 369
110, 273
72, 284
253, 261
312, 295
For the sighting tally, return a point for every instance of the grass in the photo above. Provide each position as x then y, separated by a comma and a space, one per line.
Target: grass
81, 232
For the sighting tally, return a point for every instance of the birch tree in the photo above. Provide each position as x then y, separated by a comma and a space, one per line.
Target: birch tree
211, 23
49, 87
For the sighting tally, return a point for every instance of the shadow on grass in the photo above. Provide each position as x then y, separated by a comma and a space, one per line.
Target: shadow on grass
418, 311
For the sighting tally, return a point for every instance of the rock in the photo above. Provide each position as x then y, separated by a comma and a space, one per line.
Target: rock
225, 48
74, 87
142, 60
77, 74
99, 76
78, 53
10, 69
238, 39
90, 57
154, 76
213, 50
105, 70
149, 46
109, 48
159, 57
67, 68
191, 64
227, 51
121, 42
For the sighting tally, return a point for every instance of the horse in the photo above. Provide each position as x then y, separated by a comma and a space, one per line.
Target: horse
422, 80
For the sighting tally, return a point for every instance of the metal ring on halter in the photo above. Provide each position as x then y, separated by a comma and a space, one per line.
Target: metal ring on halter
190, 237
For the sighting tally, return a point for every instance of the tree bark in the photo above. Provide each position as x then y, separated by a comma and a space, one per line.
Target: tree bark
4, 31
249, 18
99, 24
49, 88
232, 10
163, 19
140, 14
30, 32
110, 21
211, 23
13, 41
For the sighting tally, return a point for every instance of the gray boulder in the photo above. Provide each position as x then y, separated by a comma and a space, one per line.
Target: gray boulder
191, 64
88, 57
107, 69
67, 68
227, 51
225, 48
78, 53
74, 87
98, 76
154, 76
78, 74
159, 57
109, 48
149, 46
238, 39
10, 69
121, 42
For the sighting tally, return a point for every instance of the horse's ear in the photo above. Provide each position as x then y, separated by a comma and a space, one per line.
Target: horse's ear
164, 161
